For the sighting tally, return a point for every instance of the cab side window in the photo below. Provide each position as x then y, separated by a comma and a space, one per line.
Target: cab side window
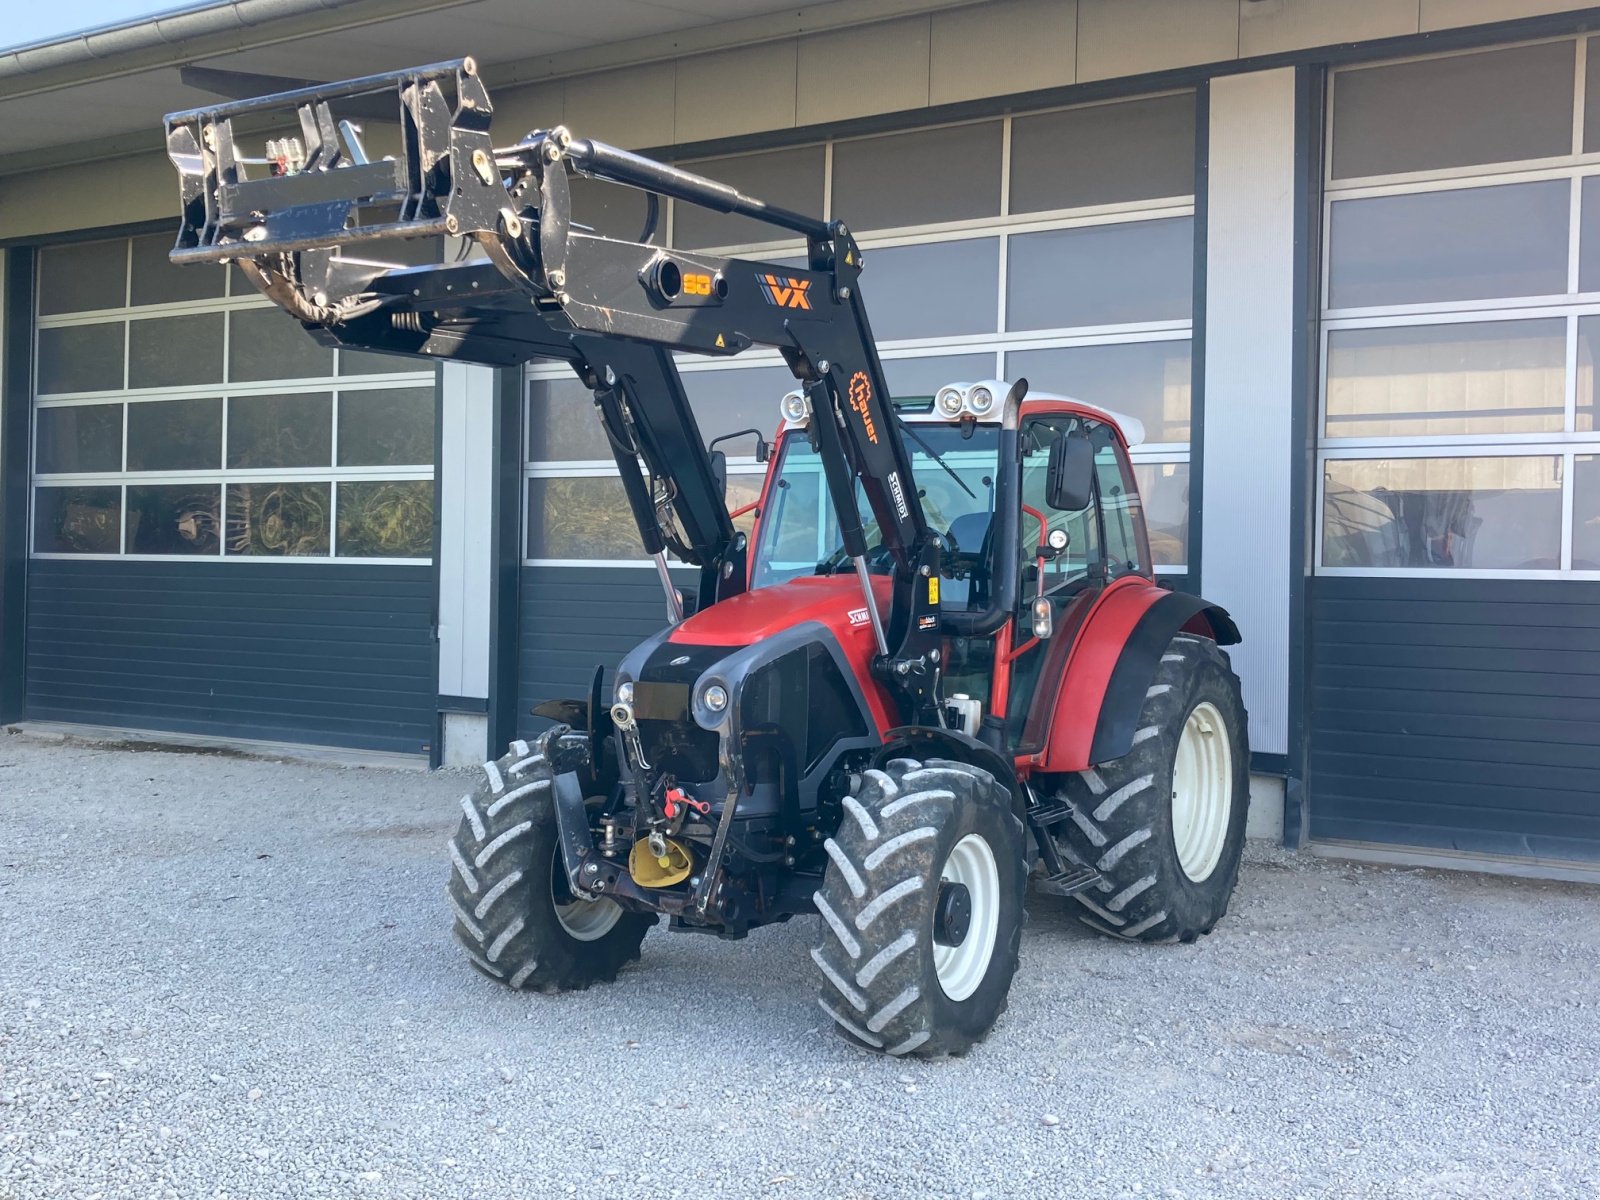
1126, 548
1083, 534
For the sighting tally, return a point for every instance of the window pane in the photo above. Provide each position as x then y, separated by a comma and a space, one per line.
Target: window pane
173, 518
175, 435
1103, 154
744, 490
788, 178
1477, 377
1101, 275
1591, 100
918, 178
280, 431
86, 437
1164, 488
77, 520
1463, 244
562, 422
909, 377
1494, 106
580, 518
1442, 513
387, 519
279, 519
745, 398
174, 351
388, 428
1588, 399
267, 343
156, 280
1120, 511
362, 362
614, 211
1586, 513
1147, 380
1589, 234
80, 358
933, 290
82, 276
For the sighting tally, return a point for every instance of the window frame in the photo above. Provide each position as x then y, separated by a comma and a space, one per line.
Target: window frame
1570, 306
993, 344
425, 375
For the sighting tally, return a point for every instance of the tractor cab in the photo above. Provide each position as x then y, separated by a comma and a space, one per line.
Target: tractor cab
1062, 558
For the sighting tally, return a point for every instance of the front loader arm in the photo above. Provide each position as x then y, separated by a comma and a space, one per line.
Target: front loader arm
310, 229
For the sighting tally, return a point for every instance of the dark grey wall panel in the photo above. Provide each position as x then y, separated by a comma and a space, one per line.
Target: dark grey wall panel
576, 618
334, 654
1457, 714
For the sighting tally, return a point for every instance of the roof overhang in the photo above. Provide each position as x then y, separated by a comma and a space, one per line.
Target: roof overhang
101, 93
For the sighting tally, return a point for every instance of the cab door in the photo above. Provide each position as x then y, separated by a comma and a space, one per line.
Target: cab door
1106, 543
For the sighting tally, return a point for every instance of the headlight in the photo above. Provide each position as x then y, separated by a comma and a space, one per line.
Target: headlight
795, 408
948, 402
979, 401
625, 692
715, 697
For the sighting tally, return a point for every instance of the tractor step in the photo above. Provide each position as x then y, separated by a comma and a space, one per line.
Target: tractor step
1053, 813
1070, 881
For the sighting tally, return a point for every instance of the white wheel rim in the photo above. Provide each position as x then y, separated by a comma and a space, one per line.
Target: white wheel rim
1202, 792
584, 920
961, 968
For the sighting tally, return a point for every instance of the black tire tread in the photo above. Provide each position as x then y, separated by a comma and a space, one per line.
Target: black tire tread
504, 915
872, 985
1121, 811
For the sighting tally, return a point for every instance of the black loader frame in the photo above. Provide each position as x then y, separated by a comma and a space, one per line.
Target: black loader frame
614, 310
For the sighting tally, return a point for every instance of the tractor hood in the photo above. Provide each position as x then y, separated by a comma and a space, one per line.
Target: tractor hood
739, 635
831, 600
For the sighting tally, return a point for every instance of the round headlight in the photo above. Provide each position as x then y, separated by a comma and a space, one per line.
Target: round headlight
1058, 539
625, 692
979, 401
948, 402
795, 408
715, 697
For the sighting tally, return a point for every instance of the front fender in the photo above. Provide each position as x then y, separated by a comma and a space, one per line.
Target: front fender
926, 741
1112, 664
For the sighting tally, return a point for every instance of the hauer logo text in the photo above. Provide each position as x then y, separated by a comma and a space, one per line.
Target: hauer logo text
860, 393
786, 293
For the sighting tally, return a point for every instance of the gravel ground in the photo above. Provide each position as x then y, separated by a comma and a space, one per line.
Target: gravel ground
223, 976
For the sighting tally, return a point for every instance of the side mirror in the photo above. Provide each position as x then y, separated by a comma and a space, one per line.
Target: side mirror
1069, 475
719, 472
763, 451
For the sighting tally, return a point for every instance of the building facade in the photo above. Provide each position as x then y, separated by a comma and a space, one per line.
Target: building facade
1342, 261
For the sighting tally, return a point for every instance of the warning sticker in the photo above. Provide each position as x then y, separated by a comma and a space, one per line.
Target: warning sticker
929, 621
933, 589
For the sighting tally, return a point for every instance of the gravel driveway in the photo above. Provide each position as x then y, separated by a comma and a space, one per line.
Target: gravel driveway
222, 976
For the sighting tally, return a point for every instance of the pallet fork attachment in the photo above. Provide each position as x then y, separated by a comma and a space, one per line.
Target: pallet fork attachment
616, 311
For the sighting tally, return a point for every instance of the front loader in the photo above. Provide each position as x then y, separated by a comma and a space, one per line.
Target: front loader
940, 662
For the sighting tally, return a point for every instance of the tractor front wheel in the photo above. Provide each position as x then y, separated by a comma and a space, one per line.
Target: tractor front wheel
514, 911
921, 908
1164, 824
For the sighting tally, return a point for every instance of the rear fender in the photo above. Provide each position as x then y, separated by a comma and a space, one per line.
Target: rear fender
1112, 664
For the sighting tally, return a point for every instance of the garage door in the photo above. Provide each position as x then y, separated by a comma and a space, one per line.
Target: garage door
1102, 195
232, 527
1455, 612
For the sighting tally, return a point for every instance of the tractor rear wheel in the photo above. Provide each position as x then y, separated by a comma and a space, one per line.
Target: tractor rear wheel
921, 908
514, 911
1164, 824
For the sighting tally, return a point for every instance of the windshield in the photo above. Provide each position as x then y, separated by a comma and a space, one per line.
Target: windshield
799, 534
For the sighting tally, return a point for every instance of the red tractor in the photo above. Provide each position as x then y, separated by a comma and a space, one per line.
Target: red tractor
940, 660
